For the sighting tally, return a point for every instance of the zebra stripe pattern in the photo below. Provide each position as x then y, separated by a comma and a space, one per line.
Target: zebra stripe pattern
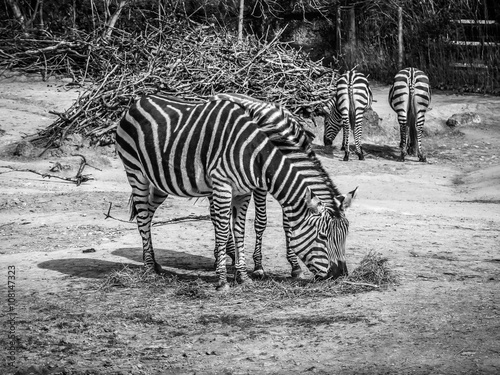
215, 149
346, 109
282, 128
409, 97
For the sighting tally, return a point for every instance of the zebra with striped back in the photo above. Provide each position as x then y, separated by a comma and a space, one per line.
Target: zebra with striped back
346, 109
409, 97
216, 150
278, 124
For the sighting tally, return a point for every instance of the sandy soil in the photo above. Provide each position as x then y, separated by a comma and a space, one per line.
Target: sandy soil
437, 222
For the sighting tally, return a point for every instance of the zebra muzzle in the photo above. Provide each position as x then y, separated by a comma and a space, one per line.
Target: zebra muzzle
334, 272
337, 270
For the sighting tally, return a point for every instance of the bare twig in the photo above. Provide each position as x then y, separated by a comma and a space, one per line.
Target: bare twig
78, 179
361, 284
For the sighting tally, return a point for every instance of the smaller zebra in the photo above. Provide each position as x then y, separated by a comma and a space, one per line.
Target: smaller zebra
346, 109
409, 97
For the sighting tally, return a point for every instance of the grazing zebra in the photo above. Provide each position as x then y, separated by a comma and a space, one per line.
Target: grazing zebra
278, 124
216, 150
347, 106
409, 96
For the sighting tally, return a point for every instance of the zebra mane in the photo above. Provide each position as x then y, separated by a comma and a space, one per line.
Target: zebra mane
285, 131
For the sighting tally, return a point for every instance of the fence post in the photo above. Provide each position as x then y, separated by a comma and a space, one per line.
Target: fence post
400, 38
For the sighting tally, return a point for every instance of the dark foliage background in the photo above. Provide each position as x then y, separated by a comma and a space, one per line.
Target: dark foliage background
430, 33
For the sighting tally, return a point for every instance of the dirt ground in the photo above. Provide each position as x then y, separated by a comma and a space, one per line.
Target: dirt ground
437, 223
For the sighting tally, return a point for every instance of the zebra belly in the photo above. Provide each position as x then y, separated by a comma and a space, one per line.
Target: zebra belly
182, 180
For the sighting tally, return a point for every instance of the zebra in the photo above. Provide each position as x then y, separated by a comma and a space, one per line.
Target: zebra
409, 97
346, 108
215, 149
277, 123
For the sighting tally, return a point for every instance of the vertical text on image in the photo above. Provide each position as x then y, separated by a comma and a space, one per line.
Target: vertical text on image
11, 315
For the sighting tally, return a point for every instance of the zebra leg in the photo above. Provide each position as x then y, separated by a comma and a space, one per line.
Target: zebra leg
420, 150
292, 258
345, 141
358, 131
230, 250
221, 208
145, 200
239, 211
402, 130
259, 198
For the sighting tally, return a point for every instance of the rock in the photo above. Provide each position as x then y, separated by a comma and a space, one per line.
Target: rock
373, 125
372, 118
24, 148
464, 119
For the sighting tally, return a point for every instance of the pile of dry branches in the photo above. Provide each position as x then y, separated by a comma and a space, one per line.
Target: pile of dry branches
183, 59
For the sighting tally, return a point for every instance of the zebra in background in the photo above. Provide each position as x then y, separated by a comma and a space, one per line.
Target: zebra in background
278, 124
216, 150
409, 97
346, 109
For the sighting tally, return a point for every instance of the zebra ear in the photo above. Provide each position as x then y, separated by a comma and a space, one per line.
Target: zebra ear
344, 201
314, 203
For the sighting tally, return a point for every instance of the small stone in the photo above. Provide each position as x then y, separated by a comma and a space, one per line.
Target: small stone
464, 119
24, 148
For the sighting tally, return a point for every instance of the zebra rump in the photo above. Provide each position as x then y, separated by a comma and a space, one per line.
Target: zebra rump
347, 106
409, 97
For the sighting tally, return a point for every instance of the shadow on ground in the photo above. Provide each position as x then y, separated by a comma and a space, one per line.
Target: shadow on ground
370, 150
99, 268
381, 151
84, 267
170, 258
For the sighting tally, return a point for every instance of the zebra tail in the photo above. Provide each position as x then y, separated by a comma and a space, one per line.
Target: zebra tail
412, 143
132, 209
352, 109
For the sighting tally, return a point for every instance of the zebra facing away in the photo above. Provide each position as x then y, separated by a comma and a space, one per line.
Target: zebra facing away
346, 109
215, 149
282, 128
409, 97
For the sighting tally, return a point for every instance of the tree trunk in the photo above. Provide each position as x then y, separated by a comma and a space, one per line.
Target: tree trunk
351, 42
17, 12
41, 24
400, 38
338, 31
240, 21
112, 21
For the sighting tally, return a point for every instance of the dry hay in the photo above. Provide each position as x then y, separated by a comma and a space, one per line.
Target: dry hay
373, 269
373, 273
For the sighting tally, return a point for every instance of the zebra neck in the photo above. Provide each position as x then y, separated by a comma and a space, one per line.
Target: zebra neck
290, 182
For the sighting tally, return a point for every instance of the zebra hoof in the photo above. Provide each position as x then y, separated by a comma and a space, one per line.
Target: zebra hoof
422, 158
297, 273
222, 288
258, 273
242, 278
156, 269
346, 157
361, 157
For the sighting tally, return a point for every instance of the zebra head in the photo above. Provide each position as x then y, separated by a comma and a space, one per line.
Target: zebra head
328, 228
